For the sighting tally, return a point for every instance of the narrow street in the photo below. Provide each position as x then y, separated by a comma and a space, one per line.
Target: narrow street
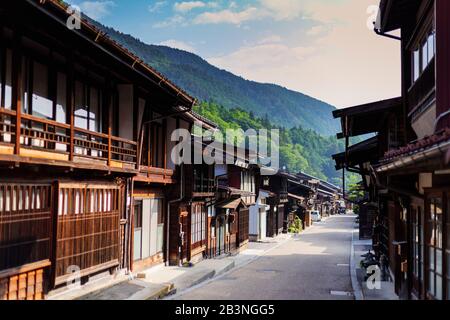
313, 265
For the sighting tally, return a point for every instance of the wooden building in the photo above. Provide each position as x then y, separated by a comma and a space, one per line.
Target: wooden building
237, 187
83, 151
276, 218
190, 214
409, 181
300, 195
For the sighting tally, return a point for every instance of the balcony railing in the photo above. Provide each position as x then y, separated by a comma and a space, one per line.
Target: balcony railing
44, 138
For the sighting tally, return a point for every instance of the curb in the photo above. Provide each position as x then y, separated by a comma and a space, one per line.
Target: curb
229, 268
207, 276
150, 293
357, 290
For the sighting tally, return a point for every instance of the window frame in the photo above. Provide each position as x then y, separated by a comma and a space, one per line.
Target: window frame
434, 246
422, 43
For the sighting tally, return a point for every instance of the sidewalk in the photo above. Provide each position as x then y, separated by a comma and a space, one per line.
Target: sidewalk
160, 281
361, 291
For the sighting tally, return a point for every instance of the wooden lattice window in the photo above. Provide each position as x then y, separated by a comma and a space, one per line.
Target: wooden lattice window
243, 225
88, 229
25, 224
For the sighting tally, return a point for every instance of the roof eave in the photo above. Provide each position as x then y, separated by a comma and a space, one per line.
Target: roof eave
179, 93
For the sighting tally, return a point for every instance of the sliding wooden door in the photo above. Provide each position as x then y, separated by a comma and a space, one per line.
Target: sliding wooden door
88, 229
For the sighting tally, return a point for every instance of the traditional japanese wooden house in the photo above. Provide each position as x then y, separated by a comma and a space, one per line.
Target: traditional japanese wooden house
410, 181
72, 106
299, 195
237, 187
276, 219
163, 192
190, 215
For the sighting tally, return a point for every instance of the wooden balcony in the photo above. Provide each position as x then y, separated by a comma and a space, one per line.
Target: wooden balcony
42, 141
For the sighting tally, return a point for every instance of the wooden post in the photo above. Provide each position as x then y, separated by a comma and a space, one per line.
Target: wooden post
131, 248
70, 104
17, 89
108, 105
164, 129
109, 143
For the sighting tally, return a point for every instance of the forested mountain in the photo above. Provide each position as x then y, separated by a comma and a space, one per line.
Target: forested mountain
207, 83
300, 149
307, 129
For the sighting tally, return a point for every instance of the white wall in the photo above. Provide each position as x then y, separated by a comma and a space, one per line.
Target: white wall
424, 125
125, 111
257, 218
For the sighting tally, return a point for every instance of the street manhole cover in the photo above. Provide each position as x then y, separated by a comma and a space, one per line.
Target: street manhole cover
341, 293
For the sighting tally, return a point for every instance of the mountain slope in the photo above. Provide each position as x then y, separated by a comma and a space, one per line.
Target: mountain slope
205, 82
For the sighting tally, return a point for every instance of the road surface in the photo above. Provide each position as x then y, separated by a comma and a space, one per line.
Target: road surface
311, 266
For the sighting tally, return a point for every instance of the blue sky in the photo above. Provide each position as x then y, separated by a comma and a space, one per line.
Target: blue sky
323, 48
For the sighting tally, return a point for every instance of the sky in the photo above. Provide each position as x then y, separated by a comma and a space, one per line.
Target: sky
323, 48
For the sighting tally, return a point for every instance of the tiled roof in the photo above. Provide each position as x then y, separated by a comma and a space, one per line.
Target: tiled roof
419, 145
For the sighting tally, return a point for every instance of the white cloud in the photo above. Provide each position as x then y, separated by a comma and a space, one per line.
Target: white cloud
284, 9
270, 39
253, 61
345, 63
229, 16
170, 22
188, 5
178, 45
156, 7
274, 9
96, 9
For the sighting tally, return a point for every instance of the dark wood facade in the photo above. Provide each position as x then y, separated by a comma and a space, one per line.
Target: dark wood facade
237, 186
71, 157
408, 182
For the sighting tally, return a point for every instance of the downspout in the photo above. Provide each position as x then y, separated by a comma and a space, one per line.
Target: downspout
181, 198
439, 119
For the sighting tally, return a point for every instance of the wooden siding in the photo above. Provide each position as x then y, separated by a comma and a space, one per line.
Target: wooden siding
244, 221
442, 60
25, 283
25, 240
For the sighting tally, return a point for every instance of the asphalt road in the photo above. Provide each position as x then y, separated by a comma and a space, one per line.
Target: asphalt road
311, 266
